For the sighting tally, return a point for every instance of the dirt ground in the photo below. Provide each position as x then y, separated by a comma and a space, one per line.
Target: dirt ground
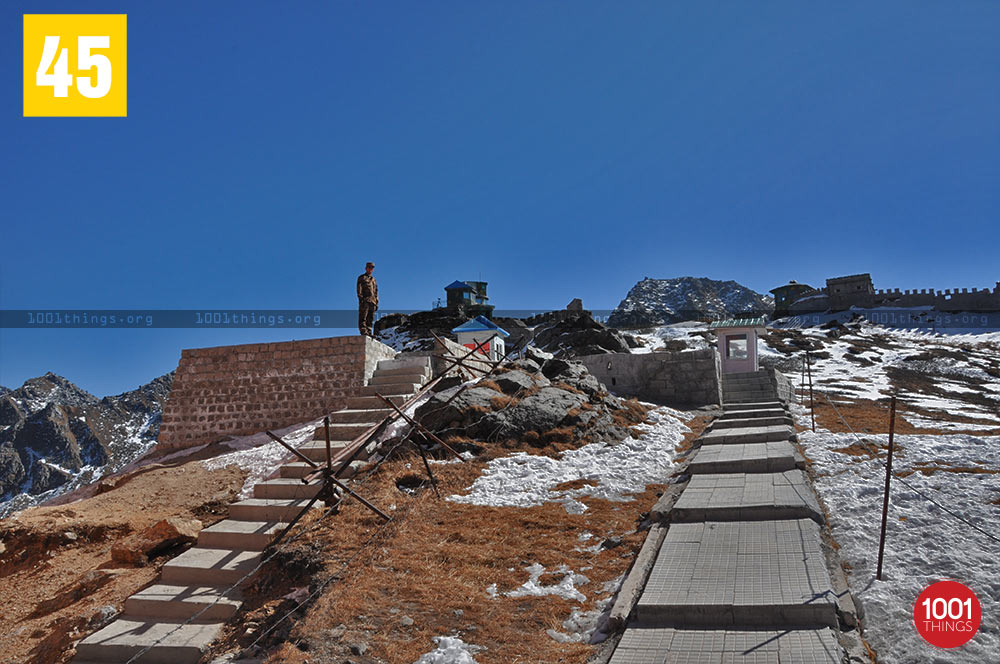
58, 580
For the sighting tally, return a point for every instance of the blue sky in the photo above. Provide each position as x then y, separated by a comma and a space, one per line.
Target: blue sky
556, 150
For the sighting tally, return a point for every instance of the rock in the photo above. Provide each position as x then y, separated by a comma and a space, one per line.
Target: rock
458, 613
70, 536
537, 355
162, 535
540, 412
102, 617
512, 382
611, 543
406, 621
358, 648
336, 633
554, 367
170, 532
526, 365
580, 335
436, 415
11, 469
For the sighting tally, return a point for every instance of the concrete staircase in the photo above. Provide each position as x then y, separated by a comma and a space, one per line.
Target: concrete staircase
749, 387
740, 574
200, 578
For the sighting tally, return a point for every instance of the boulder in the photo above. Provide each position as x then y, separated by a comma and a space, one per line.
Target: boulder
540, 412
162, 535
526, 365
513, 382
436, 415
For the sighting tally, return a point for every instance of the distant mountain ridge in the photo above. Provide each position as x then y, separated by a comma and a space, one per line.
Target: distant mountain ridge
55, 436
663, 301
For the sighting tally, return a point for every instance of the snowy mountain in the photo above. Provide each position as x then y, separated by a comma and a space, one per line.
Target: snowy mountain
55, 436
663, 301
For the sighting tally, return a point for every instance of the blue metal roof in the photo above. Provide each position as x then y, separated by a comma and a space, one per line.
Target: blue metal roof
458, 285
480, 324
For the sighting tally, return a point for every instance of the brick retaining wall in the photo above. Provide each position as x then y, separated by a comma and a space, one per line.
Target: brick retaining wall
686, 378
239, 390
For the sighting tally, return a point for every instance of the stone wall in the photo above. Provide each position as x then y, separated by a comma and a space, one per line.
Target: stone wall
687, 378
782, 385
239, 390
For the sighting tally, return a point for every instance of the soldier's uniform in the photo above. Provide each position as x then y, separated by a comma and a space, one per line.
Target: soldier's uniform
367, 303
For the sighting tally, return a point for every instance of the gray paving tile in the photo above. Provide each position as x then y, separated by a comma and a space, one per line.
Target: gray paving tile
666, 645
767, 457
747, 497
747, 435
739, 573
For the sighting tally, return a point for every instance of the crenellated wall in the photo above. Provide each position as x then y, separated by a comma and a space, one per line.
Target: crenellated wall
239, 390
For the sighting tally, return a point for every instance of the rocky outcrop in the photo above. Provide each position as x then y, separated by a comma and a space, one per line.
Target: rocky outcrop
581, 335
540, 399
663, 301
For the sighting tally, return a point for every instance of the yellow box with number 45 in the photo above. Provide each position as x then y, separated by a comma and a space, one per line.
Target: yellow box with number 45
75, 65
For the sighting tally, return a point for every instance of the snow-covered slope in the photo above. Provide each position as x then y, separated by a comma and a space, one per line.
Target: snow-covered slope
662, 301
55, 437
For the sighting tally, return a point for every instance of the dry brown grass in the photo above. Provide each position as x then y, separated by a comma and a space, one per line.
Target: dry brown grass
433, 563
486, 382
569, 388
632, 413
502, 401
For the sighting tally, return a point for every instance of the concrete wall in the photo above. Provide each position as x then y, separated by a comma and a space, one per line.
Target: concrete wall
782, 384
238, 390
688, 378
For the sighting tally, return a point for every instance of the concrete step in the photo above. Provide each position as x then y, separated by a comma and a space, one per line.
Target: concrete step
202, 567
758, 395
389, 379
342, 431
424, 371
649, 645
297, 469
737, 573
316, 450
266, 509
386, 389
360, 415
764, 404
126, 637
773, 457
239, 534
747, 497
751, 414
375, 402
748, 435
183, 602
420, 362
734, 423
285, 487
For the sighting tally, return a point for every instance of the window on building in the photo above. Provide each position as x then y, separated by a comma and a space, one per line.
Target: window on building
736, 347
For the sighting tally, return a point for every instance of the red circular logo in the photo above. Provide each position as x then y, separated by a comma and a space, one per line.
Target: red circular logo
947, 614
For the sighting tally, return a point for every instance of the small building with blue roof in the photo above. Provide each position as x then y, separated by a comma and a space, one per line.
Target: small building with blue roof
481, 330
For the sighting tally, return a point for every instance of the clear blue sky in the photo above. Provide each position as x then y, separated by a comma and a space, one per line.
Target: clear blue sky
555, 149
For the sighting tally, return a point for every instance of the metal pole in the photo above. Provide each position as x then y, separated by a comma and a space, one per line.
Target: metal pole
888, 476
329, 457
812, 402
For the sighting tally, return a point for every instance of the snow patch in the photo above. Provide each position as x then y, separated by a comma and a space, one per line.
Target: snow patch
450, 650
616, 470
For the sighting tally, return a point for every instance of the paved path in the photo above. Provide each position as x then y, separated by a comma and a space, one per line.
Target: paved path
741, 575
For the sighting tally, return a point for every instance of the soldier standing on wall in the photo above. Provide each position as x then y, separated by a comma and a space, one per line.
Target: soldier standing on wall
367, 300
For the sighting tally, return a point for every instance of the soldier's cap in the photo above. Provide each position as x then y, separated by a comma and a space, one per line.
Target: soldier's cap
369, 264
